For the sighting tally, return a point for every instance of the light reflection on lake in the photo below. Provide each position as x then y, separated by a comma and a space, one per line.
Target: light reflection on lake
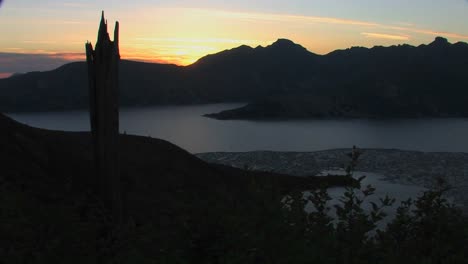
185, 126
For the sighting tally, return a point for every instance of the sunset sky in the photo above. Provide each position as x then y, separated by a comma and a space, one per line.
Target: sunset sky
41, 35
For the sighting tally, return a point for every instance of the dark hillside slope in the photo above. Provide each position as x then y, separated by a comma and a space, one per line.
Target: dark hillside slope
48, 212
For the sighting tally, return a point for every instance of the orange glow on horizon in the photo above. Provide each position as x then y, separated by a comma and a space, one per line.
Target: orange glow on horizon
181, 36
5, 75
181, 51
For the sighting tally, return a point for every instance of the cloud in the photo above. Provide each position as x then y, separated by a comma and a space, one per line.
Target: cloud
165, 58
200, 40
40, 61
180, 50
428, 32
288, 18
300, 19
75, 5
385, 36
39, 42
5, 74
399, 29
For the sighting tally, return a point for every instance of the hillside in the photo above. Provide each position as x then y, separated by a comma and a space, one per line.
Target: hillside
179, 209
34, 154
49, 212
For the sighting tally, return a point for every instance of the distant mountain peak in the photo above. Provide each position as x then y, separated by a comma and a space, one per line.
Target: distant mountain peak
286, 45
283, 42
441, 39
440, 42
243, 47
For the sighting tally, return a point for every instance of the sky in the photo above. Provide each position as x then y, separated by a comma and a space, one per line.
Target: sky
42, 35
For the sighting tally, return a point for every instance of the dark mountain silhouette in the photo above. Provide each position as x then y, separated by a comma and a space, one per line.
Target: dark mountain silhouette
16, 74
282, 80
397, 81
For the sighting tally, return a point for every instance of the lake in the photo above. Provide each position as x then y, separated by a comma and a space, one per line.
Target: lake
186, 127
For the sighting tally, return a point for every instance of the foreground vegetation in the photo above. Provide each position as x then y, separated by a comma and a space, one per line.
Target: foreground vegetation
261, 226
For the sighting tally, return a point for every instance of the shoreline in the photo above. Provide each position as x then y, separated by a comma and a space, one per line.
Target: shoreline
397, 166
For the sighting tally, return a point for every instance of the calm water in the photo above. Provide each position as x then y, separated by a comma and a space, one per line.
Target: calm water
185, 126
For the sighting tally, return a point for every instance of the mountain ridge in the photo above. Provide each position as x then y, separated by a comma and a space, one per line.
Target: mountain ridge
280, 71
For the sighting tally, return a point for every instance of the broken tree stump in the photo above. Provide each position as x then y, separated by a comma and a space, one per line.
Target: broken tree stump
103, 70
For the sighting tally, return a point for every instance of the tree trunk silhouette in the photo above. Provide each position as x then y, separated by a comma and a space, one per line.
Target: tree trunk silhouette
103, 78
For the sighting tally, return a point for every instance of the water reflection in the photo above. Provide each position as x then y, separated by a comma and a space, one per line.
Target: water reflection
186, 127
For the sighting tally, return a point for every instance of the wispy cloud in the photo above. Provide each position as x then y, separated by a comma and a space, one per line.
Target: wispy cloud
70, 22
67, 56
172, 58
180, 50
75, 4
39, 61
248, 16
183, 50
288, 18
406, 24
4, 74
398, 28
428, 32
193, 35
201, 40
385, 36
39, 42
176, 53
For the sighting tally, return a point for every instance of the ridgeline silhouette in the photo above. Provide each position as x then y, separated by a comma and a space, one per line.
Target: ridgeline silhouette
282, 80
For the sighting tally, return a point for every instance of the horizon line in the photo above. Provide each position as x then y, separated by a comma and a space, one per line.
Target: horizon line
71, 57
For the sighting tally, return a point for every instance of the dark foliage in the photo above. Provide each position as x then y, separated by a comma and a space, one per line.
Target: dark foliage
176, 206
182, 210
